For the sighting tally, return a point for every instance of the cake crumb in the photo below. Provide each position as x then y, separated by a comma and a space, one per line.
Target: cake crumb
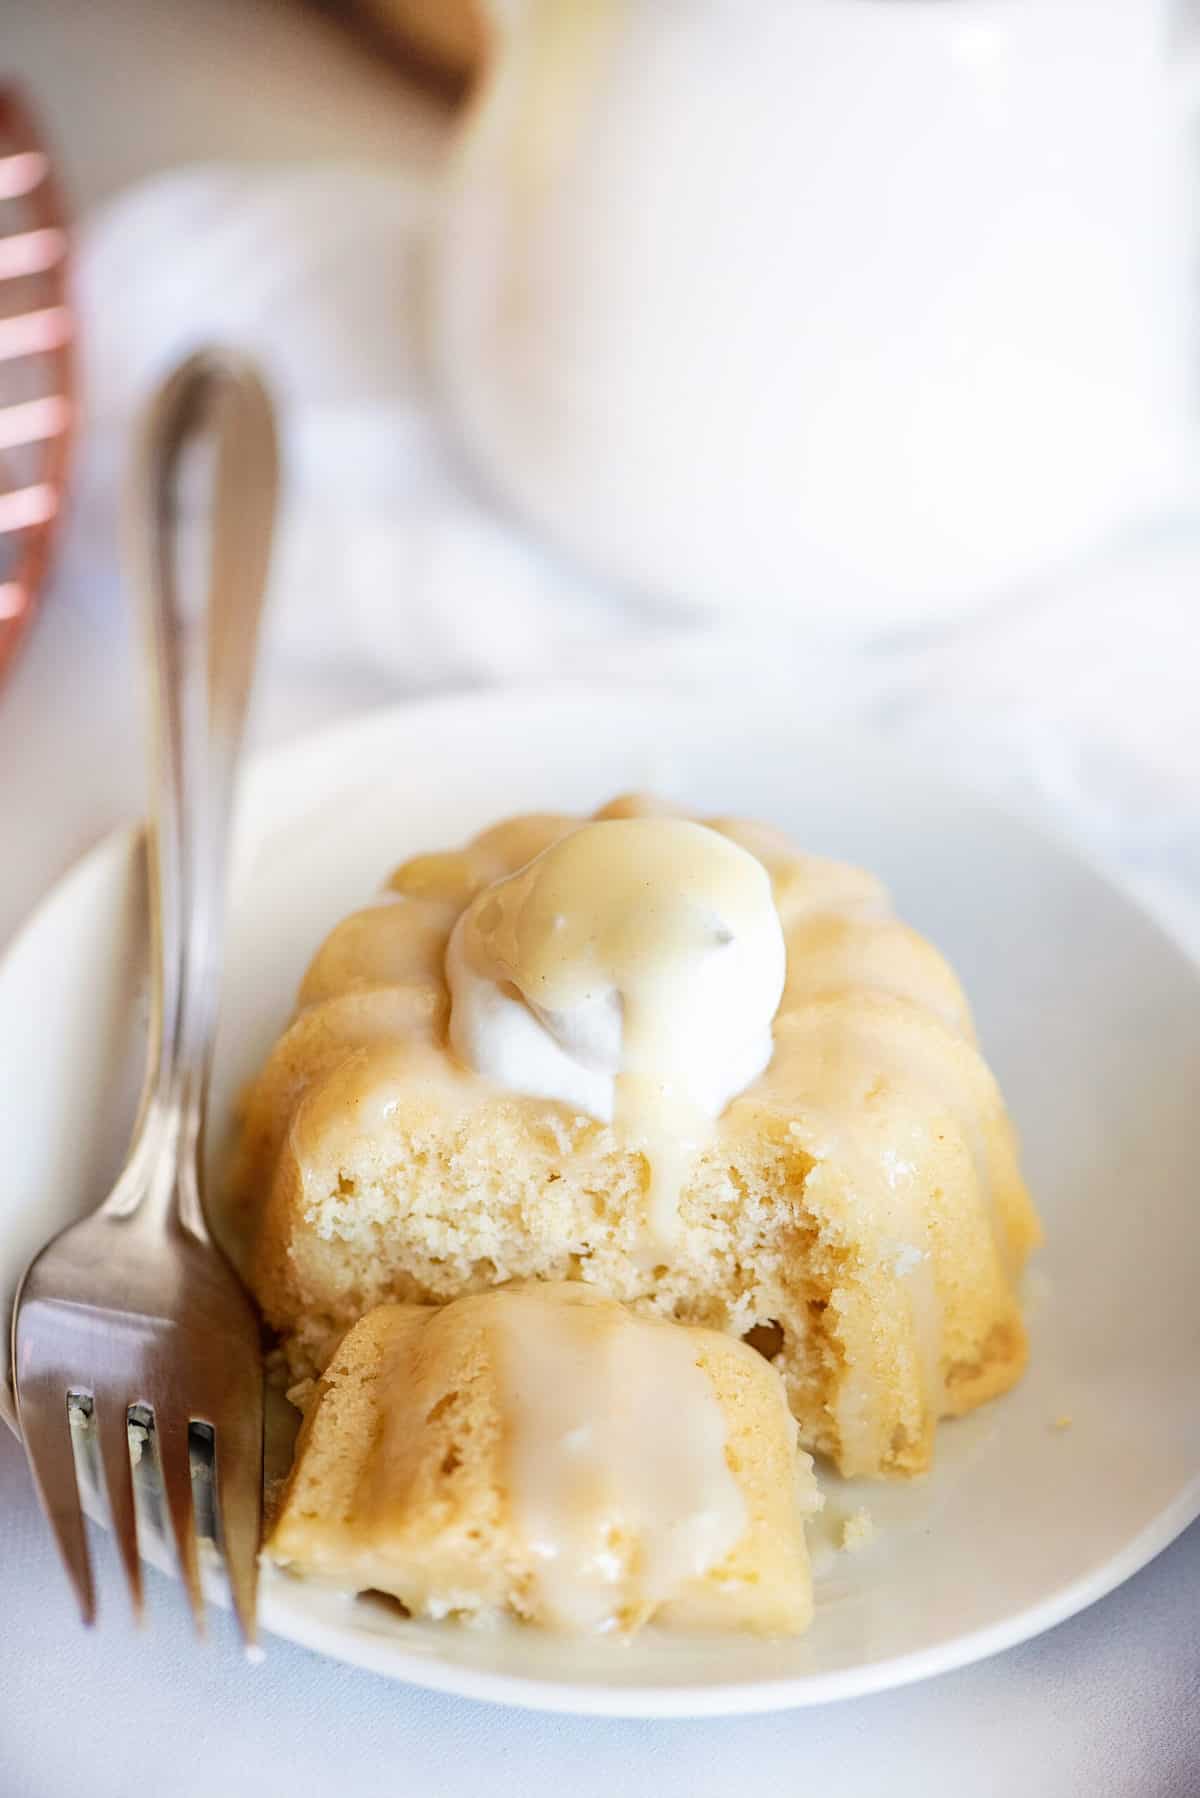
275, 1367
1063, 1421
300, 1395
858, 1531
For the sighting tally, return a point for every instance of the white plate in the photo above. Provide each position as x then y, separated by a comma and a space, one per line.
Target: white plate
1090, 1015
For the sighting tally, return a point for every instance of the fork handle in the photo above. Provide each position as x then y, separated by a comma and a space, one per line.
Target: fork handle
200, 507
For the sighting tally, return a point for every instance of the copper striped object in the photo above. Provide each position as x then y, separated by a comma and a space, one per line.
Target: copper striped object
37, 334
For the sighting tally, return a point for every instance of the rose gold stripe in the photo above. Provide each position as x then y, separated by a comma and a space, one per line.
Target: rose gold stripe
27, 506
31, 252
20, 173
34, 421
32, 333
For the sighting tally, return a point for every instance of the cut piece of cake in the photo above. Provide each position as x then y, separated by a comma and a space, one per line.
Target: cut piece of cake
858, 1206
544, 1452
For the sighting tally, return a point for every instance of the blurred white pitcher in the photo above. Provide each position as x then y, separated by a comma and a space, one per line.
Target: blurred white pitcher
864, 307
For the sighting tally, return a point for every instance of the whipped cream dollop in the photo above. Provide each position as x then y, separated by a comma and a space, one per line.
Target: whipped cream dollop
631, 970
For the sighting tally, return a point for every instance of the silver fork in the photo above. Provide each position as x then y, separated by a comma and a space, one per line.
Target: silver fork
136, 1306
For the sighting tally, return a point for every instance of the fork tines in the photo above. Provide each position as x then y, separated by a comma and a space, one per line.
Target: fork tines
128, 1449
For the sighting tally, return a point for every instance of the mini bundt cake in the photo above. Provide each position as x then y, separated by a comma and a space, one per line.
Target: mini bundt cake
543, 1451
856, 1209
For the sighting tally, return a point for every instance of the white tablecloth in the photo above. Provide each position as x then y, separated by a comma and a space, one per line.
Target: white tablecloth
1078, 703
1103, 1707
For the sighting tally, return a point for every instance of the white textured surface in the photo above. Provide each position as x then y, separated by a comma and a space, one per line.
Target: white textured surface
1079, 700
1106, 1704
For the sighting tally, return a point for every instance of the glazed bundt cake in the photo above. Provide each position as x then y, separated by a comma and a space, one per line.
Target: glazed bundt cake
838, 1182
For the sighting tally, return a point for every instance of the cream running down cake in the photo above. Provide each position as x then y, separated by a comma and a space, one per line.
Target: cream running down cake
543, 1452
682, 1064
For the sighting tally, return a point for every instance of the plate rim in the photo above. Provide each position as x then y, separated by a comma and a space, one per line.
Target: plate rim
762, 1696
